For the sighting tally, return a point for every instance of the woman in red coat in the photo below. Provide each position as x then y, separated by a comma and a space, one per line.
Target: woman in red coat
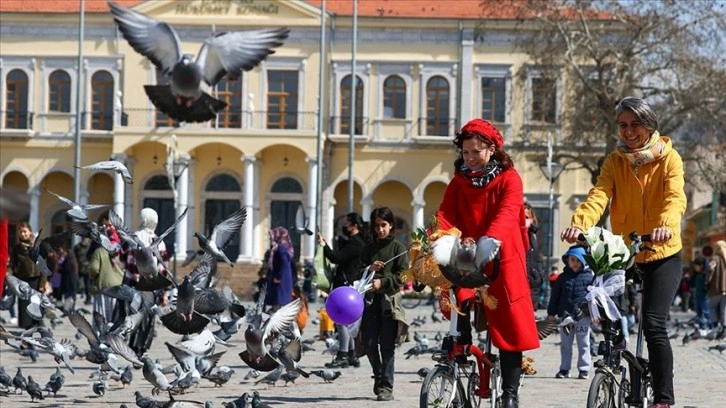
485, 201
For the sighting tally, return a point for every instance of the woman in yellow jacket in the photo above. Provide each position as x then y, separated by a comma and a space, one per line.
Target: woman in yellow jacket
643, 182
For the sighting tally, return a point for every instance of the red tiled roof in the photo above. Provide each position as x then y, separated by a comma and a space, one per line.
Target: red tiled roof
470, 9
59, 6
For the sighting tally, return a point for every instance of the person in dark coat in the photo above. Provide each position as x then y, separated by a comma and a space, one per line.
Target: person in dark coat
535, 268
279, 272
24, 269
348, 269
68, 268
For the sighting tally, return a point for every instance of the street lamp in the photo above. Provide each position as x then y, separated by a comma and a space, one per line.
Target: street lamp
175, 166
551, 170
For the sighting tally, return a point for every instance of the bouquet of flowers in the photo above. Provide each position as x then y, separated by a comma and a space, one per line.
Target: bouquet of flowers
608, 257
607, 252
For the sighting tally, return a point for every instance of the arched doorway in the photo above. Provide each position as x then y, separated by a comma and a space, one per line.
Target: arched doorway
158, 196
222, 197
286, 196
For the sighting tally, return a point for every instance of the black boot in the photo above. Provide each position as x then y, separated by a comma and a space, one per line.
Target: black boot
511, 363
353, 359
340, 361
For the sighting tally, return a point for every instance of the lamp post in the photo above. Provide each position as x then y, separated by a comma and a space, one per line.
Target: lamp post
551, 170
176, 166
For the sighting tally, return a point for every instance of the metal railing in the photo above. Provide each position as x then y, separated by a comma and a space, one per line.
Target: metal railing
271, 120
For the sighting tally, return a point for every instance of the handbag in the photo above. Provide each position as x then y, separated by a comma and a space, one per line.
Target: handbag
321, 276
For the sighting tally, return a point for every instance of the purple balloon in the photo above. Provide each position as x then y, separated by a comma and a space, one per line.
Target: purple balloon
344, 305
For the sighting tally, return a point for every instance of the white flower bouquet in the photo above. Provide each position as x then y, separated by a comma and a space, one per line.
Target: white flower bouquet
608, 257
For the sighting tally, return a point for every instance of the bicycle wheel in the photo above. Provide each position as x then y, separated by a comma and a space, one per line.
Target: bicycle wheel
647, 393
437, 389
601, 393
623, 392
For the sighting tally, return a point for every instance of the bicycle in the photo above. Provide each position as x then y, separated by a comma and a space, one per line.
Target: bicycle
443, 387
611, 387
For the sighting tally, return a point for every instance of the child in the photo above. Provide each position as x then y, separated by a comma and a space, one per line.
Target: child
568, 291
701, 269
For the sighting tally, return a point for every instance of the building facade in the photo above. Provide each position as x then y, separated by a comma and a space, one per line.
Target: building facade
419, 75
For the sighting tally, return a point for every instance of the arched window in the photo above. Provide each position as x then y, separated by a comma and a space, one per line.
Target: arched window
287, 194
222, 194
230, 91
346, 91
102, 100
437, 106
16, 100
158, 196
394, 97
59, 91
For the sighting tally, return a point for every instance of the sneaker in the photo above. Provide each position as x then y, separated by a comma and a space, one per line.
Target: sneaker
562, 374
13, 321
583, 375
376, 385
386, 394
661, 405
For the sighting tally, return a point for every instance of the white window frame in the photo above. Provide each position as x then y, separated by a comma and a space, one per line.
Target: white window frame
340, 70
448, 71
27, 65
284, 64
112, 65
536, 72
403, 70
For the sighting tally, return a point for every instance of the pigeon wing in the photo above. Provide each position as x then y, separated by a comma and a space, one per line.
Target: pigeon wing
201, 344
546, 327
223, 232
163, 235
119, 346
185, 359
151, 38
281, 319
60, 197
230, 52
79, 322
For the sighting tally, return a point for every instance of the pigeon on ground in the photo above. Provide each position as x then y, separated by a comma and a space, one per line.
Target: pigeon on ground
33, 389
19, 382
222, 235
154, 376
241, 402
114, 166
271, 378
223, 54
251, 374
290, 376
423, 372
77, 211
220, 378
720, 347
327, 375
5, 379
256, 402
100, 386
289, 355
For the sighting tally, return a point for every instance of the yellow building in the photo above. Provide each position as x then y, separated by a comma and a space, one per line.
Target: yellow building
420, 75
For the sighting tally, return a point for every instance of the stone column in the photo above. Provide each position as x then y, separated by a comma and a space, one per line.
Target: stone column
182, 186
418, 213
119, 189
129, 195
34, 209
311, 211
248, 203
367, 208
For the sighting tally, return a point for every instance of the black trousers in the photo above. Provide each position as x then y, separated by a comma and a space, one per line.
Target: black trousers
660, 283
379, 337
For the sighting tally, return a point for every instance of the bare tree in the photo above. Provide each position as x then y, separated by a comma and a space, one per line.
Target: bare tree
670, 52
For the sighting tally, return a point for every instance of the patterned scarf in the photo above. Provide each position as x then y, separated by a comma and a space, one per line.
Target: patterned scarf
481, 178
652, 151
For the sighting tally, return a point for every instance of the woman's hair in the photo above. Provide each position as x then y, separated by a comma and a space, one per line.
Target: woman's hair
641, 109
363, 229
23, 225
533, 215
701, 261
385, 214
499, 154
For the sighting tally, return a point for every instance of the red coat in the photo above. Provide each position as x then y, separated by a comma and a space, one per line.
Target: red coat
497, 211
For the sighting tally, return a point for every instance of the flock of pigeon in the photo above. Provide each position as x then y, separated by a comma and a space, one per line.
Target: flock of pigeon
272, 341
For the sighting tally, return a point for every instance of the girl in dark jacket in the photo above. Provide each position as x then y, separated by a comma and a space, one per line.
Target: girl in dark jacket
535, 268
383, 311
348, 269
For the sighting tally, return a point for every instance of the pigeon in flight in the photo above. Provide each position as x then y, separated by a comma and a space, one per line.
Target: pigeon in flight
302, 221
77, 211
222, 235
112, 165
257, 354
222, 55
185, 320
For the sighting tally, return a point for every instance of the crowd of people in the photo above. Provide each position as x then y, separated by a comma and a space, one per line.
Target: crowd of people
484, 200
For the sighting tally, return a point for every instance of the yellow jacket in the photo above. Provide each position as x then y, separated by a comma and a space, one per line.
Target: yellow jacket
653, 197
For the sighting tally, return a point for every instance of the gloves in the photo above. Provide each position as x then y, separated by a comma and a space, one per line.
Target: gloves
486, 249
